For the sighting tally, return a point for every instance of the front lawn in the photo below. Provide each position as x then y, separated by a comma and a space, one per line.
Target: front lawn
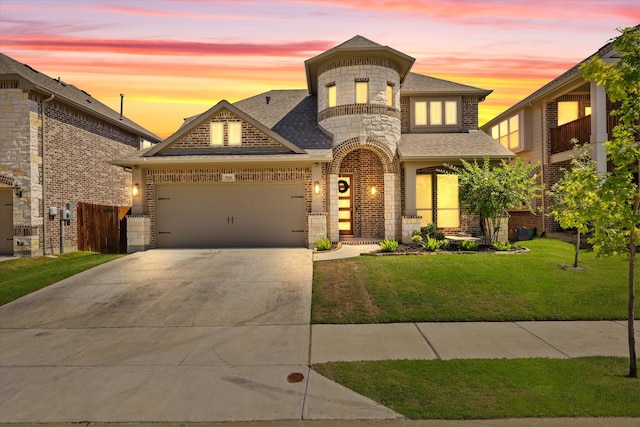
485, 389
477, 287
22, 276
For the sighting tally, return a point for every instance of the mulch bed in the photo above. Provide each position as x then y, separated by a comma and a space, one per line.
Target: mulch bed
405, 249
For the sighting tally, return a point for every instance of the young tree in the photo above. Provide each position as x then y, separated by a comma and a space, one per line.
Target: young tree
489, 191
575, 194
617, 221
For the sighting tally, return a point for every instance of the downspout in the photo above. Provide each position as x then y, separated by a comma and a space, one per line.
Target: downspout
44, 181
542, 168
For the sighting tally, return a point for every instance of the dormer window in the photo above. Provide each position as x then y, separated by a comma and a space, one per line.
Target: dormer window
233, 134
435, 114
362, 91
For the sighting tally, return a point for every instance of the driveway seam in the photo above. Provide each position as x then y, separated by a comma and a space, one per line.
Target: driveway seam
428, 342
543, 340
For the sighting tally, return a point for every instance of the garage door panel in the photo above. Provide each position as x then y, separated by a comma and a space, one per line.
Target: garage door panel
230, 215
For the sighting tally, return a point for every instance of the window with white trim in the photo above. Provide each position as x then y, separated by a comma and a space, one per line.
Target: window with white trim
233, 134
507, 133
567, 112
217, 134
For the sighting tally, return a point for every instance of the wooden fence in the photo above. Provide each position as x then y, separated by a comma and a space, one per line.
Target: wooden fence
102, 228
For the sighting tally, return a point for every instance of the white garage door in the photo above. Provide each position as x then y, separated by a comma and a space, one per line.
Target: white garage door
230, 215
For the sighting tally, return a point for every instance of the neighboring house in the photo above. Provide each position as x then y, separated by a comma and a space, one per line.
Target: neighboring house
358, 156
539, 129
56, 142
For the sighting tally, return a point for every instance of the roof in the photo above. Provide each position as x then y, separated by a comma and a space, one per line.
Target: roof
568, 77
450, 146
34, 80
416, 84
356, 47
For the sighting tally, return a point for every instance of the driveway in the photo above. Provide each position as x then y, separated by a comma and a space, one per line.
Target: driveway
174, 336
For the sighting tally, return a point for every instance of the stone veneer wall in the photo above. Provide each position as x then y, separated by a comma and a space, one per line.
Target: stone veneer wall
317, 227
213, 175
78, 149
138, 233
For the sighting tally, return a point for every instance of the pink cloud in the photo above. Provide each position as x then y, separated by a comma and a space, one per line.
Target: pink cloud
132, 10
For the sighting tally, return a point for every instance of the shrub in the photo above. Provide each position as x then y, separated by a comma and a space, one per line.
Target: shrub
417, 238
433, 244
417, 232
323, 244
469, 245
502, 246
438, 235
389, 245
429, 229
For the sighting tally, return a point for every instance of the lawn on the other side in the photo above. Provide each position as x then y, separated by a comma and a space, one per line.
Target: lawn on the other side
21, 276
485, 389
474, 287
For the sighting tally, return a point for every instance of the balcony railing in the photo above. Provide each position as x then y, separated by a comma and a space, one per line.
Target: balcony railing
561, 136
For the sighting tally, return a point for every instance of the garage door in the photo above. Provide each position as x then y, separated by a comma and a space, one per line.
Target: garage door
230, 215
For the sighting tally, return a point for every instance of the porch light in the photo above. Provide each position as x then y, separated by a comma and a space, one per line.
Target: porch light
17, 190
373, 190
316, 187
135, 190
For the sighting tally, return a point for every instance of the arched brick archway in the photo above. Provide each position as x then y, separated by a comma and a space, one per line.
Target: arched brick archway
373, 171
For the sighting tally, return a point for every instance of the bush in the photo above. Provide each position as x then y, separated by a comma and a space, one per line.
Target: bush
469, 245
416, 232
432, 244
502, 246
429, 229
389, 245
323, 244
417, 238
438, 235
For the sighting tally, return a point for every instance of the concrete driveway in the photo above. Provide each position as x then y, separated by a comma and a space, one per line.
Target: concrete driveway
175, 336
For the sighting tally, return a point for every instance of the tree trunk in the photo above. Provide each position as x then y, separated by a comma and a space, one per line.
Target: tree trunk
575, 261
633, 361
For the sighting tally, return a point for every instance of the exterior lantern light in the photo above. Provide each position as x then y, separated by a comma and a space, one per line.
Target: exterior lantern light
135, 190
316, 187
17, 190
373, 190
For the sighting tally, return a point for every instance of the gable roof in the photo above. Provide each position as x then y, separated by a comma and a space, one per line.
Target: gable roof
417, 84
32, 79
206, 116
356, 46
571, 76
450, 146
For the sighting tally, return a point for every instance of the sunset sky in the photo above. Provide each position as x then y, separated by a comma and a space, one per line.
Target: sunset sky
176, 58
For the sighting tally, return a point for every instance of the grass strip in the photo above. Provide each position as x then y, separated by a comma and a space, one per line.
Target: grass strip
487, 389
21, 276
475, 287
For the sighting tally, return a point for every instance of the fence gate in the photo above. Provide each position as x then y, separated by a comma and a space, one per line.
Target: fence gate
102, 228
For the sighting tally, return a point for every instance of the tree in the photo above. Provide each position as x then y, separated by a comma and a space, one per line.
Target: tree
489, 191
617, 221
575, 194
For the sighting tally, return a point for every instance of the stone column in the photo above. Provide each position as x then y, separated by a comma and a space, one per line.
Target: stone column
317, 227
599, 132
409, 225
391, 206
138, 233
410, 189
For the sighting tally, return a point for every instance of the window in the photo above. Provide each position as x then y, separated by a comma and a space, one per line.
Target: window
390, 95
447, 201
332, 96
362, 92
233, 137
435, 113
424, 199
235, 133
508, 133
217, 133
587, 111
567, 112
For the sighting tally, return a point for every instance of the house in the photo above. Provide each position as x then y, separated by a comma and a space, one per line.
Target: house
358, 156
55, 144
540, 128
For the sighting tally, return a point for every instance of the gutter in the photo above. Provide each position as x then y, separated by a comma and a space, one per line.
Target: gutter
44, 179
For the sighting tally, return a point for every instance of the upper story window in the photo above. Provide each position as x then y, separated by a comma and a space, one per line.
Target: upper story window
233, 134
362, 92
428, 113
507, 133
567, 112
389, 95
332, 95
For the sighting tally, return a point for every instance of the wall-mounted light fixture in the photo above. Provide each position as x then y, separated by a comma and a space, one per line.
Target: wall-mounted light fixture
316, 187
135, 190
373, 190
17, 190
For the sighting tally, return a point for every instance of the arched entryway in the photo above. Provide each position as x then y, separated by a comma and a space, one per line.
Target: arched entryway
363, 196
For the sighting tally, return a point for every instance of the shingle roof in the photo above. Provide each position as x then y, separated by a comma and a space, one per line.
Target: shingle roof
358, 42
418, 83
473, 145
12, 69
291, 114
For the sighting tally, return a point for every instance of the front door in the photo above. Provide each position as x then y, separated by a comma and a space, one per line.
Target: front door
6, 221
345, 204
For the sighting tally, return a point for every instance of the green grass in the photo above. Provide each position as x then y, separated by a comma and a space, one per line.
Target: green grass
486, 389
22, 276
475, 287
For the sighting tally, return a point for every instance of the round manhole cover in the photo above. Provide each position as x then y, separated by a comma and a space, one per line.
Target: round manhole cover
295, 377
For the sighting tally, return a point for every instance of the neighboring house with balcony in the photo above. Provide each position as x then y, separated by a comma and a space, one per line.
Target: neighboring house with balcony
358, 156
56, 142
540, 128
